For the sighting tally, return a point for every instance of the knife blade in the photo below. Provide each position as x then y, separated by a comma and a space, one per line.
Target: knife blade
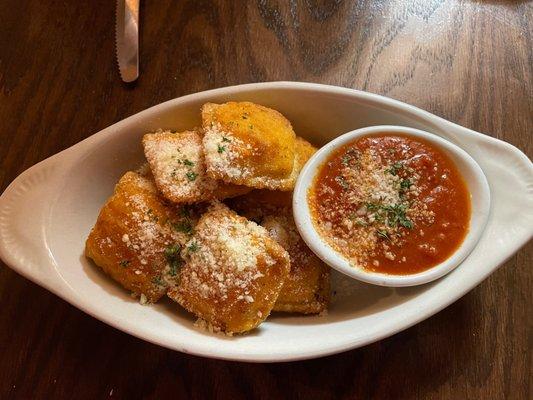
127, 39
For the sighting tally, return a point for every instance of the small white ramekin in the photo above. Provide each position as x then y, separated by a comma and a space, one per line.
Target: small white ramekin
473, 175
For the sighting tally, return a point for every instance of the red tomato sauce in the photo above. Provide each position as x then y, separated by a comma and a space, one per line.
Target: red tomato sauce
391, 204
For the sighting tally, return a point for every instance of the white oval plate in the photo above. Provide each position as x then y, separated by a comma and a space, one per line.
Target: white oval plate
48, 211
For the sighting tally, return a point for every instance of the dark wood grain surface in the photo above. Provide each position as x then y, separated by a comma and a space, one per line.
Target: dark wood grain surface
468, 61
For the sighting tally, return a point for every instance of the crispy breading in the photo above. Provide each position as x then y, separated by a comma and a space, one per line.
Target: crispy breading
233, 272
137, 238
178, 165
307, 288
304, 151
265, 202
248, 144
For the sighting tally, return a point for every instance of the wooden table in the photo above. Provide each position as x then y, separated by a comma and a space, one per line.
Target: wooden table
467, 61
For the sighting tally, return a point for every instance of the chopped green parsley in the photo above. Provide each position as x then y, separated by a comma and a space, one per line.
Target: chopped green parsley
193, 247
405, 184
191, 176
172, 254
394, 168
393, 216
183, 226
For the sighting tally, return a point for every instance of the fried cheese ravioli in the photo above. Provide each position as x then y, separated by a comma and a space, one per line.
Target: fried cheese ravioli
248, 144
178, 165
137, 238
233, 272
304, 151
307, 288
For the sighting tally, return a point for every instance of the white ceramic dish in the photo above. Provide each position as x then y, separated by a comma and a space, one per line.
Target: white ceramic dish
470, 170
47, 212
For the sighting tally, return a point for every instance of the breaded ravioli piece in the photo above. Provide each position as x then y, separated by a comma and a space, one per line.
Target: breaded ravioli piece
304, 151
233, 272
137, 238
248, 144
307, 288
178, 165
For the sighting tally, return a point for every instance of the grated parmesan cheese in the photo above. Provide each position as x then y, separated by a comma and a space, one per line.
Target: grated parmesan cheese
229, 262
178, 164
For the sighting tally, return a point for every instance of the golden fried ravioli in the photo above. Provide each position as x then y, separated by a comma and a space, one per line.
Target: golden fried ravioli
178, 166
248, 144
307, 288
304, 151
137, 238
233, 272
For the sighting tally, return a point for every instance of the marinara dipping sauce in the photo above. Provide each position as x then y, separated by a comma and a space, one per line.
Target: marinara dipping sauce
390, 203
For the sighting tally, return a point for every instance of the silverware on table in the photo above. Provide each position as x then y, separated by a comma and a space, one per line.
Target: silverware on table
127, 39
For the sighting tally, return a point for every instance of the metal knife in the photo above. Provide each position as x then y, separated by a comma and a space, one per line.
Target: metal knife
127, 39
